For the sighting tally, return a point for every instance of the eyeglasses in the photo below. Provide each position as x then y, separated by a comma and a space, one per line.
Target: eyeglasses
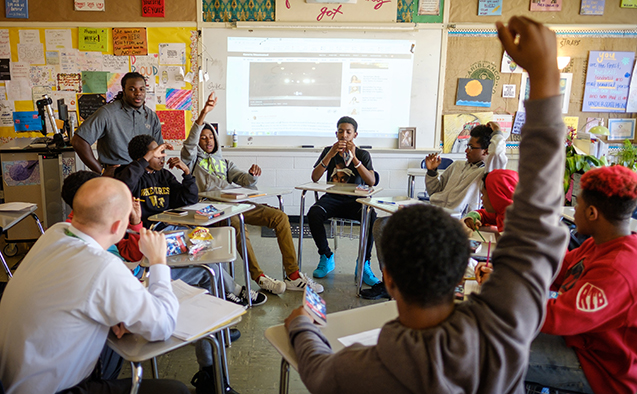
471, 148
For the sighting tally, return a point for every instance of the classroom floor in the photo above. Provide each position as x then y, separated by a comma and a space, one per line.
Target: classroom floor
253, 363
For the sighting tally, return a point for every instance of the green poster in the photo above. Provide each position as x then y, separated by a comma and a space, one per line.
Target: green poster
92, 39
94, 81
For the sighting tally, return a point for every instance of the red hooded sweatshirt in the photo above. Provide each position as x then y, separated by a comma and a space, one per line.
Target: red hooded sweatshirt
500, 185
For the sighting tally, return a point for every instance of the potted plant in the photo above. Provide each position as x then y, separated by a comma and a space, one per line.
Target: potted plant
627, 156
577, 164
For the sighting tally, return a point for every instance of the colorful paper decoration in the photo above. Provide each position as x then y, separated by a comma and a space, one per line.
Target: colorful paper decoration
153, 8
607, 78
173, 124
179, 99
92, 39
130, 41
474, 92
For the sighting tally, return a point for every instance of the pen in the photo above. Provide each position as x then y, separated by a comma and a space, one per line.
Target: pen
488, 253
386, 202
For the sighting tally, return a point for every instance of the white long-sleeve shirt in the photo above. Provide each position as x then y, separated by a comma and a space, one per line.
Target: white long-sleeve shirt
56, 312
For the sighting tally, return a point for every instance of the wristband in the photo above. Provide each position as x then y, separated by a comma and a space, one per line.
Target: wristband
324, 166
360, 163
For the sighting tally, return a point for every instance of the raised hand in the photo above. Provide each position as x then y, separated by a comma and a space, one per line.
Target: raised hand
176, 162
432, 161
254, 170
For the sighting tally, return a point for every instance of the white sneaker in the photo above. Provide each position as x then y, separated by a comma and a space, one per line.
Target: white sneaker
271, 285
300, 283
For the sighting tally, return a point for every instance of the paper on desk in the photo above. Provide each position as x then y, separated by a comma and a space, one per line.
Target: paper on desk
184, 291
365, 338
15, 206
201, 205
404, 203
203, 313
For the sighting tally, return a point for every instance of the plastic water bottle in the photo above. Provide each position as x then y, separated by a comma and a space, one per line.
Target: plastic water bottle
235, 139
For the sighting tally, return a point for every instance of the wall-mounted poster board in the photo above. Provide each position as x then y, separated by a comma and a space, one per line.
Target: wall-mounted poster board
288, 87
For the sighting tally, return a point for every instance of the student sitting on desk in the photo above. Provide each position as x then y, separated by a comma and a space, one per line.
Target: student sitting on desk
69, 292
343, 154
482, 345
202, 154
497, 194
591, 325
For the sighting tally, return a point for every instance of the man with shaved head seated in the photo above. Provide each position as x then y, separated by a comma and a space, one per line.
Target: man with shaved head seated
69, 291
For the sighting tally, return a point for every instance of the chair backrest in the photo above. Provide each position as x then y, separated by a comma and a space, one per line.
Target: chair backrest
444, 163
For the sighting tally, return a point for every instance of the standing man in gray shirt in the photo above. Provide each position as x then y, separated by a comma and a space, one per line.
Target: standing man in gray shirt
114, 125
481, 345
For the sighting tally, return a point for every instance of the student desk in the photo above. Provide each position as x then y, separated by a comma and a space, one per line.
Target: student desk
189, 220
347, 189
412, 173
9, 219
339, 324
266, 191
134, 348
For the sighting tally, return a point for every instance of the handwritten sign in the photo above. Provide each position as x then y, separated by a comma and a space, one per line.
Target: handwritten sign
17, 9
153, 8
89, 5
344, 11
27, 121
489, 7
129, 41
92, 39
607, 79
70, 82
87, 104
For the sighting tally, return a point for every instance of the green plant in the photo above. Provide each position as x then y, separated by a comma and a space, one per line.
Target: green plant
627, 155
576, 163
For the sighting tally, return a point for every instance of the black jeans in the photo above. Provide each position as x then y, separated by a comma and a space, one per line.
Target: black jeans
338, 206
123, 386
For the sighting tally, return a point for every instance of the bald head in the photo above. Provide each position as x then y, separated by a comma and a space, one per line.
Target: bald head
100, 202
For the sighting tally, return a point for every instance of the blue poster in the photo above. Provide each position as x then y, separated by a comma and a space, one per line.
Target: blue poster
17, 9
607, 79
520, 118
489, 7
27, 121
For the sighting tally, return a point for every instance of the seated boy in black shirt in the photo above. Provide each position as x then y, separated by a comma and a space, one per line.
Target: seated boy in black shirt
344, 154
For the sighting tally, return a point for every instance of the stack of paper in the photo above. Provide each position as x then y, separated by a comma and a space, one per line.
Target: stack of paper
15, 206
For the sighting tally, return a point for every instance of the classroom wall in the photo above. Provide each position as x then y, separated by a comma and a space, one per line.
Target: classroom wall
114, 11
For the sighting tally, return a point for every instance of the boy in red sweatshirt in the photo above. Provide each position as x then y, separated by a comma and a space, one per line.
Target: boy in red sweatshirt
497, 194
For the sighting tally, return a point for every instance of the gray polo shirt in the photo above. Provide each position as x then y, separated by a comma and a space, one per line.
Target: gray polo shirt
114, 125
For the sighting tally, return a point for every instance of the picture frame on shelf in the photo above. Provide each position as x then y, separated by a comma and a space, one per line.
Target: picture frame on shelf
407, 138
621, 129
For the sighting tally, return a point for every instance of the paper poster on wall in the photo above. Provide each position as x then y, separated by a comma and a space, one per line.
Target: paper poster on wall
173, 53
457, 127
506, 123
115, 64
37, 93
173, 124
509, 66
92, 5
621, 129
520, 118
114, 85
607, 78
145, 65
18, 9
70, 100
428, 7
129, 41
171, 77
94, 81
592, 122
20, 70
5, 70
572, 123
58, 39
474, 92
160, 95
90, 61
489, 7
43, 75
31, 53
18, 89
5, 44
628, 4
29, 36
52, 58
92, 39
68, 61
631, 103
21, 172
27, 121
151, 100
592, 7
179, 99
87, 104
508, 91
153, 8
546, 5
6, 113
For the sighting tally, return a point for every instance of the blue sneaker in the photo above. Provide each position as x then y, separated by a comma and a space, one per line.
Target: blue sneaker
368, 275
325, 266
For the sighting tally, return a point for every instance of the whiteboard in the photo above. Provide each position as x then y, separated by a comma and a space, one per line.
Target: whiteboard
424, 88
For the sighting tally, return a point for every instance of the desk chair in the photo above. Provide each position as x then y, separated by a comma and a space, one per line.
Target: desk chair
444, 163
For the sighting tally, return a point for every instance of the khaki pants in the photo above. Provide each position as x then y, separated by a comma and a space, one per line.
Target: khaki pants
263, 215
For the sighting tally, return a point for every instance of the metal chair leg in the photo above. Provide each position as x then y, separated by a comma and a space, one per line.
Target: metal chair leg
153, 367
216, 363
301, 217
37, 222
284, 379
6, 267
137, 372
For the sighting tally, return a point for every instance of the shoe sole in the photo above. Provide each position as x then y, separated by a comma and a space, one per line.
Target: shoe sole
375, 297
314, 274
272, 291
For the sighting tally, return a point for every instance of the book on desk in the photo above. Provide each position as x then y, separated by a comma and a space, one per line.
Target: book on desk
240, 193
199, 312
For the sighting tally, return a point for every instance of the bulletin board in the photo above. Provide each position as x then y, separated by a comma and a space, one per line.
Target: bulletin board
155, 36
363, 10
115, 11
466, 11
485, 59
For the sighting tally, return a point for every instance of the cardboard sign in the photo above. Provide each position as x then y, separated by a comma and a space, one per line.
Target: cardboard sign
153, 8
92, 39
130, 41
